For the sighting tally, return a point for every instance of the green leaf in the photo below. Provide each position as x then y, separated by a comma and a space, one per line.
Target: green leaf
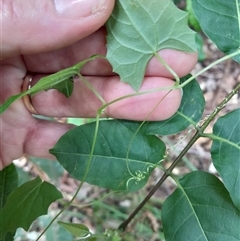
225, 152
61, 81
8, 237
26, 203
200, 209
76, 229
10, 100
55, 232
65, 87
220, 21
190, 111
111, 165
8, 182
138, 29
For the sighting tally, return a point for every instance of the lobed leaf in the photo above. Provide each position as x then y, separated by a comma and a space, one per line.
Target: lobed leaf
189, 112
200, 209
65, 86
220, 21
122, 159
138, 29
26, 203
225, 152
62, 81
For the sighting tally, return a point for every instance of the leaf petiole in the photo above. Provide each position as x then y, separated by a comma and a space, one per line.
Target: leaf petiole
170, 70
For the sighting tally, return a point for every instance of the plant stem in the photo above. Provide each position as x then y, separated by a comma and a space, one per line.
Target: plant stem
90, 158
220, 107
199, 133
62, 210
160, 182
81, 184
170, 70
210, 66
92, 89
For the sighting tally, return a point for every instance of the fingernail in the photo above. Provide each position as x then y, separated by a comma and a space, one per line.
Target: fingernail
73, 9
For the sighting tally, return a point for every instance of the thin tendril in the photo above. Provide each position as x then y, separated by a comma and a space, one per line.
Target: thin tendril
86, 82
138, 129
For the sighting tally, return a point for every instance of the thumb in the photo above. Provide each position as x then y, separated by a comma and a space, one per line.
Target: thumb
30, 27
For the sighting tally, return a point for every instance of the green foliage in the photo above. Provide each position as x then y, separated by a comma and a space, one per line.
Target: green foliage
225, 152
121, 154
189, 112
82, 232
220, 21
135, 36
122, 159
25, 204
77, 229
200, 209
176, 1
191, 18
65, 86
8, 182
62, 81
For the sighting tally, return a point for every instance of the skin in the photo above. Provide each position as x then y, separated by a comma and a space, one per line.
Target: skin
44, 39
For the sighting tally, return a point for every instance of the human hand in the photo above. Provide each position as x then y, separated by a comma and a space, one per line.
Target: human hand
40, 38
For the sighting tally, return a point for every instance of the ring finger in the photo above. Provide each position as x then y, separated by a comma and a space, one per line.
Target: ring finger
84, 103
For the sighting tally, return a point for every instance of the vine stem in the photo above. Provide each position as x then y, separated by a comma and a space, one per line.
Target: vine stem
62, 210
229, 56
99, 113
81, 184
131, 141
199, 133
170, 70
83, 180
101, 110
